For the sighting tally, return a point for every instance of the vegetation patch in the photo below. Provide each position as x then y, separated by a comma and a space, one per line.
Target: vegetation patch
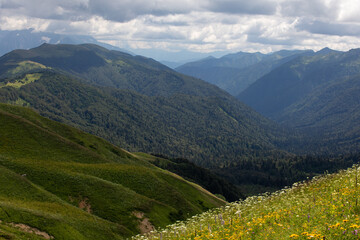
19, 102
17, 69
29, 78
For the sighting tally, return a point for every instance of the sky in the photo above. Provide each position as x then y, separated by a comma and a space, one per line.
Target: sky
195, 25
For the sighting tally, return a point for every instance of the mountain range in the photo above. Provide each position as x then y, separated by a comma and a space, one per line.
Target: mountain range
29, 38
235, 72
55, 176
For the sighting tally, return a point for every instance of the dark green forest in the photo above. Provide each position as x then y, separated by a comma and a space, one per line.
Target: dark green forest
199, 175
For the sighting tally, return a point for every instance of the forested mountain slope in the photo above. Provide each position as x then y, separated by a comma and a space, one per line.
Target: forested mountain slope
210, 131
293, 81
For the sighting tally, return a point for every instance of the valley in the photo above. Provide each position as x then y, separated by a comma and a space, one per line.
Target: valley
81, 122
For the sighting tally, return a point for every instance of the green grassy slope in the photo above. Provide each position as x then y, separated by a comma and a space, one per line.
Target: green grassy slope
17, 232
324, 208
73, 185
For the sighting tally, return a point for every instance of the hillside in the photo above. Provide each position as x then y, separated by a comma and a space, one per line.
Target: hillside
55, 178
331, 111
324, 208
98, 66
196, 121
235, 72
317, 94
201, 176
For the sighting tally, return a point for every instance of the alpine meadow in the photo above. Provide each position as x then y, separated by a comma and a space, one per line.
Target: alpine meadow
179, 120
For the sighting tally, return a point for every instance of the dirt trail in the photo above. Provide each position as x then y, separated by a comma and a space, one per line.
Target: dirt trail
145, 225
28, 229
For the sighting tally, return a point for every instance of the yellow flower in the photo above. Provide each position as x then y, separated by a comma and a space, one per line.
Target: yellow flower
295, 236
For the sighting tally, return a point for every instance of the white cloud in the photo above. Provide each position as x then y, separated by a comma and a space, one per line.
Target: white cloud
203, 25
266, 7
349, 11
311, 8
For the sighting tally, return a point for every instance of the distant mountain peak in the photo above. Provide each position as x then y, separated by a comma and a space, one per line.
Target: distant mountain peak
325, 50
354, 50
209, 57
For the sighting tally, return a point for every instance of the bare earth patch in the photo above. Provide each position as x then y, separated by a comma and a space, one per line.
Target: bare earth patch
83, 203
28, 229
145, 225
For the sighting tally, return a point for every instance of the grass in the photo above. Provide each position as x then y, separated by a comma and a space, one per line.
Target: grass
28, 78
49, 170
326, 207
18, 74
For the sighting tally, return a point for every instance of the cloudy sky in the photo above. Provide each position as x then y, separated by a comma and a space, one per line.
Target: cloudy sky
195, 25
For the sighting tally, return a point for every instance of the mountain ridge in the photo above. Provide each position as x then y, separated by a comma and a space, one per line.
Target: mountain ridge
235, 72
99, 66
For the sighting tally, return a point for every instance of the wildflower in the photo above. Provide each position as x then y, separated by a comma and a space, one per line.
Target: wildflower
295, 236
